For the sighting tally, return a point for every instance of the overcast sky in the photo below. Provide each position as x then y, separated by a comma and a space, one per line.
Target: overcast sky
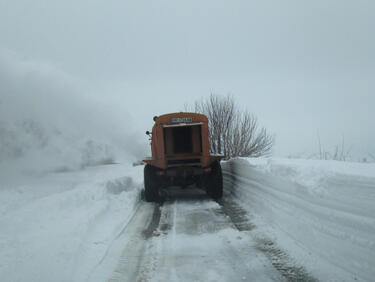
303, 67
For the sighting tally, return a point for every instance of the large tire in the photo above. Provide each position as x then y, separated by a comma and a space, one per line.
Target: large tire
151, 183
215, 182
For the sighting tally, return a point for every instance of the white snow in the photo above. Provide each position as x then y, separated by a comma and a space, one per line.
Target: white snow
60, 206
66, 226
63, 213
58, 227
321, 213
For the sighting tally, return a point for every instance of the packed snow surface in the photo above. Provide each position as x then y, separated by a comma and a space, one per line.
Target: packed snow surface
279, 219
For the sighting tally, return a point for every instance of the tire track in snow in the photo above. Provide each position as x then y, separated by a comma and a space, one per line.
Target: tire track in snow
133, 264
156, 248
149, 231
196, 235
278, 258
241, 219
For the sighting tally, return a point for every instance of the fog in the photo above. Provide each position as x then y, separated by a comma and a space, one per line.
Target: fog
100, 69
49, 123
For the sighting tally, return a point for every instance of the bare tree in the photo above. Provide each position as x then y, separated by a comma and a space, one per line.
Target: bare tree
233, 133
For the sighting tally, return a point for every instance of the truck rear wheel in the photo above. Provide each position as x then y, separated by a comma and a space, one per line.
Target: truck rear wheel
215, 182
151, 183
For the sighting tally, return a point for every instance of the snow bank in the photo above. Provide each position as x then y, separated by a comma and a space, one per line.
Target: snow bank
314, 174
301, 167
60, 226
321, 213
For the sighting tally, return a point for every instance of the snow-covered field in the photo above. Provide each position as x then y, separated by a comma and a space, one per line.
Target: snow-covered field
313, 218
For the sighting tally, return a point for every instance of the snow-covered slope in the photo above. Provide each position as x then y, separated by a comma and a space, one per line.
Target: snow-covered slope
321, 213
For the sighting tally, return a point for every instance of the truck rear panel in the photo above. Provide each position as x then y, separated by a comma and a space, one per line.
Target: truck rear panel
180, 139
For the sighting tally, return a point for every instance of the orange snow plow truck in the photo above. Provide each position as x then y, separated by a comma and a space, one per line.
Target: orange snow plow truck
181, 156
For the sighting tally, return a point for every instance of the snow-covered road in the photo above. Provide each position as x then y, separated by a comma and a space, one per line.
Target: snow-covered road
279, 220
189, 238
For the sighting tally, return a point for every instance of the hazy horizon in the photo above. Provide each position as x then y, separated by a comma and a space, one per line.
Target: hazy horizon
304, 69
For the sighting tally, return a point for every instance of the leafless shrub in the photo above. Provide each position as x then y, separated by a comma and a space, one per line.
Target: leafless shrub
233, 132
339, 153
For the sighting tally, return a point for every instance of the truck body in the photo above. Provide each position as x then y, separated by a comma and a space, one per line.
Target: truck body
181, 155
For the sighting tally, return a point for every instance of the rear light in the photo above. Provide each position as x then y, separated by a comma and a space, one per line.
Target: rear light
207, 170
161, 172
